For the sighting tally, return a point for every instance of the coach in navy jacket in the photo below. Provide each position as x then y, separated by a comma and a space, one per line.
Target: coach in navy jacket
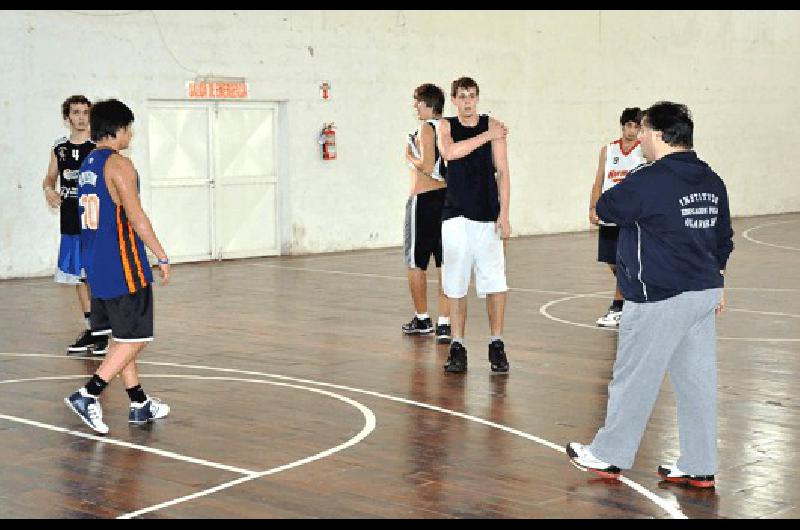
674, 242
675, 227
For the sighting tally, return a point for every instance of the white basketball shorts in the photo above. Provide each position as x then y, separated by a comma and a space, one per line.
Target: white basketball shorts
469, 245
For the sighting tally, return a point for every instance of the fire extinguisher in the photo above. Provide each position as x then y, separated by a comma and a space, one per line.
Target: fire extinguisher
327, 139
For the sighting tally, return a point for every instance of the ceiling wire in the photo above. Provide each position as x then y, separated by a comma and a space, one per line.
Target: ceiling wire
158, 27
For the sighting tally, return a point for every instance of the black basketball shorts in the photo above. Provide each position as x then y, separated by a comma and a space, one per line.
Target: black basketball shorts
127, 318
607, 244
423, 229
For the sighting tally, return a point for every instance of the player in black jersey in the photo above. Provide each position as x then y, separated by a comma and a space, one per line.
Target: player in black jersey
475, 220
65, 160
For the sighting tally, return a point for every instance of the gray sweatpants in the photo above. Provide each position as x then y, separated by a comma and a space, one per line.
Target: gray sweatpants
675, 336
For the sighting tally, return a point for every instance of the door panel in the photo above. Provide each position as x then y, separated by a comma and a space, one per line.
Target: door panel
246, 182
182, 202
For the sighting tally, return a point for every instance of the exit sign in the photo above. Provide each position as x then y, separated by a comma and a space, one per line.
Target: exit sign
217, 88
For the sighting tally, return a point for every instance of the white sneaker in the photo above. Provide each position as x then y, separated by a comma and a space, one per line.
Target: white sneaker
582, 458
152, 409
610, 319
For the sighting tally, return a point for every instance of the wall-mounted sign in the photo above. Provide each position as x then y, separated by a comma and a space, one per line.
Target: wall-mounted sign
217, 88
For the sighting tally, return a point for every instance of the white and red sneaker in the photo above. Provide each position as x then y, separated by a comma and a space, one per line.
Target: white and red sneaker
671, 473
582, 458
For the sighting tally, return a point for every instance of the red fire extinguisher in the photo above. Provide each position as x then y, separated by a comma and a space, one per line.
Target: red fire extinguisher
327, 139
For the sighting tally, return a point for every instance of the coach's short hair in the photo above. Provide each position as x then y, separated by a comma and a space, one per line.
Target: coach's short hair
673, 120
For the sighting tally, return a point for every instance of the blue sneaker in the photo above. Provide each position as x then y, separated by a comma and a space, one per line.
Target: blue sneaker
152, 409
88, 408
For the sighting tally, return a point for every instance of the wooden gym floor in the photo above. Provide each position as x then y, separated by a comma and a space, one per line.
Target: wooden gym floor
294, 394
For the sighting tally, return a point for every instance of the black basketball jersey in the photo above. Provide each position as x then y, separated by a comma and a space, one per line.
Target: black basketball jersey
471, 183
69, 158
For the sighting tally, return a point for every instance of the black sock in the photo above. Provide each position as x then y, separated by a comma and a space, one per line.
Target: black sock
136, 394
616, 305
95, 385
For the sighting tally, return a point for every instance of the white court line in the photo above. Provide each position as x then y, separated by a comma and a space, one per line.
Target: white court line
343, 254
386, 277
522, 289
369, 426
120, 443
669, 507
765, 289
772, 313
746, 235
544, 311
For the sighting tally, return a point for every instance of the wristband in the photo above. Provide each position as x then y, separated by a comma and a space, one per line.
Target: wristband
164, 261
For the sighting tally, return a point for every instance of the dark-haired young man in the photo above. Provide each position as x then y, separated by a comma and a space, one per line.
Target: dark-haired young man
423, 220
66, 157
476, 220
674, 242
114, 230
617, 159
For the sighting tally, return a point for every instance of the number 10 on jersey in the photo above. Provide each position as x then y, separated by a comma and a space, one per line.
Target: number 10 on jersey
91, 211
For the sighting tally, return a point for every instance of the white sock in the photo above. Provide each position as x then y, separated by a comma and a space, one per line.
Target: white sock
444, 321
422, 316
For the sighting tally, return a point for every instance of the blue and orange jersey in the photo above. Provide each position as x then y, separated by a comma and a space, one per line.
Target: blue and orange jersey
112, 254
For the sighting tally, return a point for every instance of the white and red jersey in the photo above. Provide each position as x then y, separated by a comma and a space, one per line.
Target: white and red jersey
619, 162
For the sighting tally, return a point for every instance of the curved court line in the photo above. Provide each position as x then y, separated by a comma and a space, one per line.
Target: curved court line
667, 506
369, 426
746, 235
543, 310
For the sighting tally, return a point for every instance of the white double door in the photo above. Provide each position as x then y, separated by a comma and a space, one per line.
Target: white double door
213, 178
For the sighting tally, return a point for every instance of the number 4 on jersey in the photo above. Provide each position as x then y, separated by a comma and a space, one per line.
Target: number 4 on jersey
91, 211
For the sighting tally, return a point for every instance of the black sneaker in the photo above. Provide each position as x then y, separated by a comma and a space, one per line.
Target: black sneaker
443, 333
82, 343
497, 356
457, 360
418, 327
100, 346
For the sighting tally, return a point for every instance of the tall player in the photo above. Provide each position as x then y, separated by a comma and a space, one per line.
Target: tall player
616, 160
423, 221
65, 159
475, 221
114, 230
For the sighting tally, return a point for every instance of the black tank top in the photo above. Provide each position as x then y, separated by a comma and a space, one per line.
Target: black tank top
69, 157
471, 185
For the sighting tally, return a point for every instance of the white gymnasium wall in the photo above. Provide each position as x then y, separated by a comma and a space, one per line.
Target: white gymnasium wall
559, 79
